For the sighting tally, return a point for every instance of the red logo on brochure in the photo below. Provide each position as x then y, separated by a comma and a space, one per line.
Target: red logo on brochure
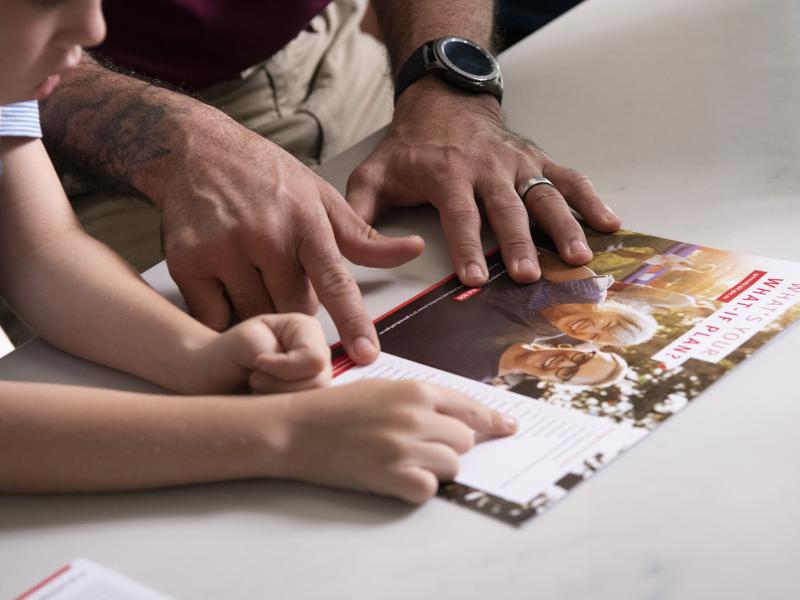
743, 285
466, 294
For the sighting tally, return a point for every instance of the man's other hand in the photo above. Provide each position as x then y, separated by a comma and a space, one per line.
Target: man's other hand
452, 150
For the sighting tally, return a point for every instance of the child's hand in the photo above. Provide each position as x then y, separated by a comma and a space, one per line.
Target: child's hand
398, 438
267, 354
302, 360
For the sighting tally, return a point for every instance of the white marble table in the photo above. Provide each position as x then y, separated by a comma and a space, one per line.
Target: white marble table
684, 113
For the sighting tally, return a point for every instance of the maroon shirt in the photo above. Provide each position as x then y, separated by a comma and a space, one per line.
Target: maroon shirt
195, 43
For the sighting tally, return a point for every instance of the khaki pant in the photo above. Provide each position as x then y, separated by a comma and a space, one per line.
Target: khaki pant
323, 92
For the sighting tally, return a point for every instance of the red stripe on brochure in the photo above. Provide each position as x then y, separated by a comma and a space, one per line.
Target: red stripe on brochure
43, 583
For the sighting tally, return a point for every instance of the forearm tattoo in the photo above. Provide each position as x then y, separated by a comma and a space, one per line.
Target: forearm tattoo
130, 138
101, 128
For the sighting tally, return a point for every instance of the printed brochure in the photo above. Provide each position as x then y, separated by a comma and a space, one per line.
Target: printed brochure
588, 359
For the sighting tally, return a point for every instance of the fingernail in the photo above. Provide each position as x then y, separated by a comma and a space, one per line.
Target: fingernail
473, 271
509, 423
363, 348
527, 265
578, 247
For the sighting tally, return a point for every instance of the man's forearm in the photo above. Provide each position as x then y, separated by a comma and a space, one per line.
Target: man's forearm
100, 123
407, 24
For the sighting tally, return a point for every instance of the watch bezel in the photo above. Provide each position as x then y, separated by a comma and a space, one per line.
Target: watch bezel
439, 51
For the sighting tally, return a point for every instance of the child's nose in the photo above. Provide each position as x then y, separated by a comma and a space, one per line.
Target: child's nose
89, 27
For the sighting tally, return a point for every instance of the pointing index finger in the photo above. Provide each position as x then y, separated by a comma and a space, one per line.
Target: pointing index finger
340, 295
482, 419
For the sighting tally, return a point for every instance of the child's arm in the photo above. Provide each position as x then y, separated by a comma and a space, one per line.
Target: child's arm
59, 438
394, 438
80, 296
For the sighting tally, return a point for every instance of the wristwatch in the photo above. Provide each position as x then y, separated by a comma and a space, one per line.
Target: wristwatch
455, 60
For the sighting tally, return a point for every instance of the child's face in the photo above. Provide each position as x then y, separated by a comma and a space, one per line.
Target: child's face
41, 38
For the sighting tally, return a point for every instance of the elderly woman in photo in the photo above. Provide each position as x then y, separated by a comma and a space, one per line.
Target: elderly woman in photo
607, 324
570, 304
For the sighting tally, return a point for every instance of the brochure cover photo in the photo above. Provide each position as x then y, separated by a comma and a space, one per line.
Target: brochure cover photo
589, 359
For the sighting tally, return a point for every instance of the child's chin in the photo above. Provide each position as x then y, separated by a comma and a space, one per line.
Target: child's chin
46, 87
15, 96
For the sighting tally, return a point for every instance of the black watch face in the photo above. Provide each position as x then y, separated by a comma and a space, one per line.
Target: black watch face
469, 59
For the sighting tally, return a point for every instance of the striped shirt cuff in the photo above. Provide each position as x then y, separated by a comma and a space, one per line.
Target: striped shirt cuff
20, 119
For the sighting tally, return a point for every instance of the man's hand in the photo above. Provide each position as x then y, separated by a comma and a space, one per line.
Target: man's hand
248, 229
452, 150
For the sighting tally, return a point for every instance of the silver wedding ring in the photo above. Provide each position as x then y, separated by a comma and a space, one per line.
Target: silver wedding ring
525, 187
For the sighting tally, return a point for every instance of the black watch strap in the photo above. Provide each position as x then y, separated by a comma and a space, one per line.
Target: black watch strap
412, 69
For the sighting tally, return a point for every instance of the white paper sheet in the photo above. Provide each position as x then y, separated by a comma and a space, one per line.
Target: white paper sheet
85, 580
